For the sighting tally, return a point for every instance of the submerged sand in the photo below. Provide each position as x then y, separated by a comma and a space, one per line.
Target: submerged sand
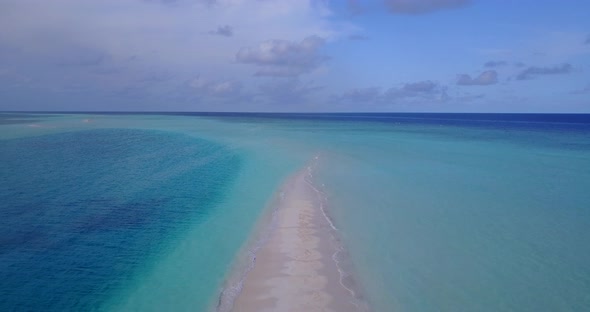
295, 269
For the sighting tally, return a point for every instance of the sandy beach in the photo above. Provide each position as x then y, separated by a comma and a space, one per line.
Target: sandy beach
294, 270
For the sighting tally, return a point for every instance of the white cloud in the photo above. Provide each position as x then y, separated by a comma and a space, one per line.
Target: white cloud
167, 34
284, 58
113, 45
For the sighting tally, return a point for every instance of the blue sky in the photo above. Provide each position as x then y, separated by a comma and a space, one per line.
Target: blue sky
295, 55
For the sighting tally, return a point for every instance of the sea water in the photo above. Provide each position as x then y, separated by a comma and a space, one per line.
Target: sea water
126, 212
436, 212
474, 217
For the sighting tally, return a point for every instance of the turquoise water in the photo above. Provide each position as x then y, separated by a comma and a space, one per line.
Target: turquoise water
149, 212
465, 219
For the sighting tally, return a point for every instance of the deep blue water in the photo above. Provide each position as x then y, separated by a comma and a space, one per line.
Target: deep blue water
82, 213
501, 117
448, 118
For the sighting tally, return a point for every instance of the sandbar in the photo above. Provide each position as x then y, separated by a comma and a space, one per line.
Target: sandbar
295, 270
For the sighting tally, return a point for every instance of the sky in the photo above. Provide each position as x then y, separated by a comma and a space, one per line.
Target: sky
295, 55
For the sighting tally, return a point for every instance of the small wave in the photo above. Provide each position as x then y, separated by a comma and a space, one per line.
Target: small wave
358, 302
234, 284
321, 196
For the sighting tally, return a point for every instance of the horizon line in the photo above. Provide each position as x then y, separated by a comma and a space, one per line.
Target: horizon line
283, 113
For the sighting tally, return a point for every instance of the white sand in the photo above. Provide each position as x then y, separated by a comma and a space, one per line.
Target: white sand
294, 270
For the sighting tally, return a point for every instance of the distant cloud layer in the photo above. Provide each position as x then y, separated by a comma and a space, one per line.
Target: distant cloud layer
225, 30
531, 72
284, 94
488, 77
362, 95
418, 87
426, 90
423, 6
420, 90
284, 58
215, 88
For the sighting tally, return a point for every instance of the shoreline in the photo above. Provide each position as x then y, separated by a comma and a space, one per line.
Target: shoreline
293, 264
245, 258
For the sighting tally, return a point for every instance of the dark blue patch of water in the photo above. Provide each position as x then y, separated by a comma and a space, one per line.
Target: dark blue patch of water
83, 214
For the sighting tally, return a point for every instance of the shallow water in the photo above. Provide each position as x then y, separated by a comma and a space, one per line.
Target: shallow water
465, 218
438, 212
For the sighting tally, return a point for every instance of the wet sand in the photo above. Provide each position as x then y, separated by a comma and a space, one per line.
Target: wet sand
295, 269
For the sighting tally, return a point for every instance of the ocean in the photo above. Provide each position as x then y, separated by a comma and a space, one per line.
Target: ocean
435, 212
